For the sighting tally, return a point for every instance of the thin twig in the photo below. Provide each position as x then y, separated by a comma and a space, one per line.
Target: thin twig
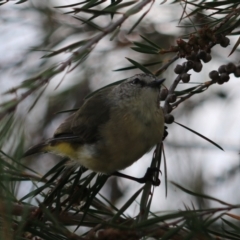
202, 87
171, 91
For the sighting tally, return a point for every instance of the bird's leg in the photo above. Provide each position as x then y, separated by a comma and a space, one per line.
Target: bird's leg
149, 176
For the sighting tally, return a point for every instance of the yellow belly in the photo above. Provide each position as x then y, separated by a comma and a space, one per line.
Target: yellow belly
118, 147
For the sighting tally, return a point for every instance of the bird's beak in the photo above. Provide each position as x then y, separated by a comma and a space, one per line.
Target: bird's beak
156, 83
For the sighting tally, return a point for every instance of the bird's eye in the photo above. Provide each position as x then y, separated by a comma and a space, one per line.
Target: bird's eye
136, 81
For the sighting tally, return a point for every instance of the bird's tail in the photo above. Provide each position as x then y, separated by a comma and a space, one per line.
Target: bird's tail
39, 148
63, 146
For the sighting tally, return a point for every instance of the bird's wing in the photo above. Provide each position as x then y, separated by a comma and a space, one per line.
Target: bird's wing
65, 128
85, 123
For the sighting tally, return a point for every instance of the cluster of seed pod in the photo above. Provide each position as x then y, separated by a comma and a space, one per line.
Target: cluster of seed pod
193, 62
203, 40
222, 75
170, 98
197, 51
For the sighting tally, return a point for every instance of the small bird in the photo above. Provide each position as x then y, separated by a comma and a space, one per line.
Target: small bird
114, 127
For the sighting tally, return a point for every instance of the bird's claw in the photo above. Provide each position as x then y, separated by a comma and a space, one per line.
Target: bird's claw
150, 176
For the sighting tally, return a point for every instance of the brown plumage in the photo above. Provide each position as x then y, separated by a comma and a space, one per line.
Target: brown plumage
113, 128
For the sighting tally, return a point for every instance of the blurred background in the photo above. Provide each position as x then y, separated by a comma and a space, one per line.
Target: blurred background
31, 30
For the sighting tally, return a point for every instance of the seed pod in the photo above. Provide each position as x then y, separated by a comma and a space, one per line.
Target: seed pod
192, 40
172, 98
224, 77
202, 55
189, 64
214, 75
230, 67
178, 69
185, 77
220, 81
237, 72
201, 42
197, 66
192, 56
169, 118
163, 94
225, 42
208, 58
222, 69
